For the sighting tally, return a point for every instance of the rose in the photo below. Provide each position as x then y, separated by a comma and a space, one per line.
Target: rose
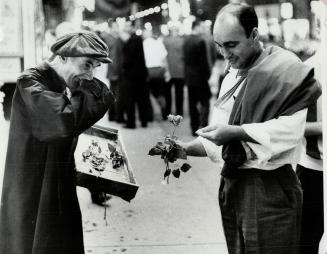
170, 151
175, 120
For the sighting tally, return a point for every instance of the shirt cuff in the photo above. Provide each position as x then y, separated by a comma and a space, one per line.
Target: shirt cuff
261, 151
212, 150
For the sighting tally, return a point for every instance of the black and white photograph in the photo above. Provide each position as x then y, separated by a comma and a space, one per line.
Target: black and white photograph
163, 126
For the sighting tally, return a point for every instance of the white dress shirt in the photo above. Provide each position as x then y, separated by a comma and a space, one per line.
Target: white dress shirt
154, 52
278, 139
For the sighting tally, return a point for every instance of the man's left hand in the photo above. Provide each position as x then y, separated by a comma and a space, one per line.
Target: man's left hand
221, 134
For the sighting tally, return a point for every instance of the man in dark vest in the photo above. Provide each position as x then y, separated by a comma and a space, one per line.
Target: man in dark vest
262, 113
260, 195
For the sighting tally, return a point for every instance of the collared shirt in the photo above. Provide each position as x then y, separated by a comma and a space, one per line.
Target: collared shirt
68, 93
278, 139
154, 52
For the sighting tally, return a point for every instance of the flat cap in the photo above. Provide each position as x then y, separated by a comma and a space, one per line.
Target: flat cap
82, 44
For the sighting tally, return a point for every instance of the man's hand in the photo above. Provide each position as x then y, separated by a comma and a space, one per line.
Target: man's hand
167, 76
221, 134
193, 148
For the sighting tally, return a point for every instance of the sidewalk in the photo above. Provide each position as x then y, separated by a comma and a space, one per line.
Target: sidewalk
180, 218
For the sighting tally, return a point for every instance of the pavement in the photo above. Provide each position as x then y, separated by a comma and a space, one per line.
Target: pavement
181, 217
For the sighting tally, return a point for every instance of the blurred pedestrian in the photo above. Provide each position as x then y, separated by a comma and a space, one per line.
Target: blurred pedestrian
175, 59
134, 77
53, 103
310, 172
114, 74
155, 55
197, 73
210, 43
101, 72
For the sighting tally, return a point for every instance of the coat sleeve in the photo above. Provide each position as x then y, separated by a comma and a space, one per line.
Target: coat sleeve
53, 116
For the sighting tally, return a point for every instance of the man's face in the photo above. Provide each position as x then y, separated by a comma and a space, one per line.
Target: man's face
232, 42
82, 67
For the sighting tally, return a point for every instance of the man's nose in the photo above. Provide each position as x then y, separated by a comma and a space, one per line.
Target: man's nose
225, 52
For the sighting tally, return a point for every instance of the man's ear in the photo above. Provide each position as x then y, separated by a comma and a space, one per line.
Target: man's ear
255, 34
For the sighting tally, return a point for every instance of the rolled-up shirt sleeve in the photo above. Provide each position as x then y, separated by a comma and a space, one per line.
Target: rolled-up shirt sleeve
277, 139
213, 151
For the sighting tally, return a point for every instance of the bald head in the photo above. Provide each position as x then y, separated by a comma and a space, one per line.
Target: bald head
236, 35
245, 14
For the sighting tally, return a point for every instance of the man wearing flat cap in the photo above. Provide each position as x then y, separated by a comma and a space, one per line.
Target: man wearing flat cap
53, 103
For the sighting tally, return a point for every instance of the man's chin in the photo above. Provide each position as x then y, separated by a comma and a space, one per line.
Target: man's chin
85, 77
235, 65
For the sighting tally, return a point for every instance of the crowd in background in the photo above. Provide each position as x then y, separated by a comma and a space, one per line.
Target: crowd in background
148, 67
153, 75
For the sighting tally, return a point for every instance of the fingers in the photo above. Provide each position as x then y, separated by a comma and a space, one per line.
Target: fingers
207, 135
208, 132
209, 128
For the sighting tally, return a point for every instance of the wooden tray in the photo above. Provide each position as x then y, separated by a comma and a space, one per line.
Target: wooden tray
119, 182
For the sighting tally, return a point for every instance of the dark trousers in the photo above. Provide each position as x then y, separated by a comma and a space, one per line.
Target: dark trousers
198, 106
178, 84
138, 95
114, 86
157, 89
157, 84
313, 209
261, 211
121, 100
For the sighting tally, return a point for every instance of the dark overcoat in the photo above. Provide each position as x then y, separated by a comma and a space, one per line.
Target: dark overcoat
39, 212
196, 65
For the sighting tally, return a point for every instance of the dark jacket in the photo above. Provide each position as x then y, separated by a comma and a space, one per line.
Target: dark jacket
133, 59
40, 213
115, 45
197, 71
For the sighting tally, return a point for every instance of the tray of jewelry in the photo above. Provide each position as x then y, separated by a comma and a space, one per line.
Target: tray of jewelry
102, 163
